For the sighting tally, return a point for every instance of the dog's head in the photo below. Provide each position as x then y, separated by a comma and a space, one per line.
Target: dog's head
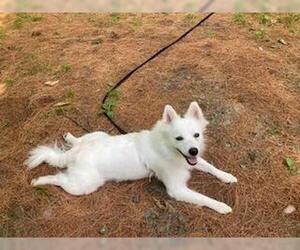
185, 134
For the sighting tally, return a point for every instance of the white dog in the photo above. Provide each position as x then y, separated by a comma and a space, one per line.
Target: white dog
169, 150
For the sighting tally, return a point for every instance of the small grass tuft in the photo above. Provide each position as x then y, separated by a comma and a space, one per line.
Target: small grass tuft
264, 19
291, 22
18, 23
240, 19
2, 33
65, 68
9, 82
4, 124
211, 33
36, 18
69, 94
60, 111
115, 18
110, 103
190, 18
136, 23
98, 23
41, 192
261, 35
290, 164
22, 18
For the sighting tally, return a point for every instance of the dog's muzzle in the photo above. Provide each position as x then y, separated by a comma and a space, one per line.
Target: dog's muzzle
192, 160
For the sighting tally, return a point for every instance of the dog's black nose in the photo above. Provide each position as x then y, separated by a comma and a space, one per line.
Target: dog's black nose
193, 151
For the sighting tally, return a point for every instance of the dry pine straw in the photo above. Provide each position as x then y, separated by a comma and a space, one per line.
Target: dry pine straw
253, 110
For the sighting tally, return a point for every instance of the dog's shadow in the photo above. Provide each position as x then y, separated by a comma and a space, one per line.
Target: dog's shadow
156, 188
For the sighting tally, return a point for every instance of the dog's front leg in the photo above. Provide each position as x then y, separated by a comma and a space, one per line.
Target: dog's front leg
183, 193
208, 168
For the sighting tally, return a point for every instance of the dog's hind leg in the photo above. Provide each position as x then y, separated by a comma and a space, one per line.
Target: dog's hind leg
70, 183
71, 139
208, 168
56, 180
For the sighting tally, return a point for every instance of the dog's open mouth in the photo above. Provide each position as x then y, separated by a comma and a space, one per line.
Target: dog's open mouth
192, 160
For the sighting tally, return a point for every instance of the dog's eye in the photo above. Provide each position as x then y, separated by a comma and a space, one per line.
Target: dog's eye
179, 138
196, 135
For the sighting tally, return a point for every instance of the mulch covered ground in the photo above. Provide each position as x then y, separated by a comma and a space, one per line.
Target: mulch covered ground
244, 70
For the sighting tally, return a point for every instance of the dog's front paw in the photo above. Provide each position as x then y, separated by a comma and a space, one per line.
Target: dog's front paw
222, 208
33, 182
228, 178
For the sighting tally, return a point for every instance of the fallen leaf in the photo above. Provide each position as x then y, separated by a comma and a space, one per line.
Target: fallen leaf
61, 104
289, 209
282, 41
51, 83
290, 164
103, 230
243, 166
96, 41
2, 88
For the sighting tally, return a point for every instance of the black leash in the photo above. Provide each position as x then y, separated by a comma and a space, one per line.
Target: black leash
122, 131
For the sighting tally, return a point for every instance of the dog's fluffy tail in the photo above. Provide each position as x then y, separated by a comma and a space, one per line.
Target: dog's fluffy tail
52, 155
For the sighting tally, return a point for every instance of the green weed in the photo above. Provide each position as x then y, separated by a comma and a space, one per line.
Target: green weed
190, 18
115, 18
290, 164
291, 22
41, 192
4, 124
264, 19
96, 22
8, 82
110, 103
136, 23
2, 33
261, 35
60, 111
239, 18
65, 68
211, 33
69, 94
22, 18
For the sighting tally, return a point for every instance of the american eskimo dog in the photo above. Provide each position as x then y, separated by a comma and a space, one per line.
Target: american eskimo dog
169, 150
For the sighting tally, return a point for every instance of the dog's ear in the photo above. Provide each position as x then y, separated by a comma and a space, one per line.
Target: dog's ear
169, 114
194, 111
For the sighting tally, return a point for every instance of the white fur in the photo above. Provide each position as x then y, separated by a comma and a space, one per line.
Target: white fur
96, 158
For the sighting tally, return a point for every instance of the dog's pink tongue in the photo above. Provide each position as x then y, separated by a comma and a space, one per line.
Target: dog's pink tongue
193, 160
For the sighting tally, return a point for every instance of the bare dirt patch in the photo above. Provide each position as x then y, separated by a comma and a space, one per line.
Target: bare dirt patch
245, 80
